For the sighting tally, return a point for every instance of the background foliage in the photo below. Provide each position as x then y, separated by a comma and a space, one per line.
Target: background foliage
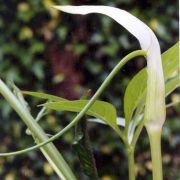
44, 50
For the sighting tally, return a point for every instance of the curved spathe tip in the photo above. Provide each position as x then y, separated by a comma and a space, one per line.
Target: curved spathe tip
136, 27
148, 42
72, 9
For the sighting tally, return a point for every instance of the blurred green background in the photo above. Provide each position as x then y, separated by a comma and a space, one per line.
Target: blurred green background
42, 49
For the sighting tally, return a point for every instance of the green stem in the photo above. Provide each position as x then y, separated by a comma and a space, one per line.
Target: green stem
88, 105
154, 134
51, 153
131, 163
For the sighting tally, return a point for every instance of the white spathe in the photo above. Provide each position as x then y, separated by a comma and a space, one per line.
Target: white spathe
155, 100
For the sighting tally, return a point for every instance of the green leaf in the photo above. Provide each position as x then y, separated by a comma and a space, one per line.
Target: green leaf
100, 109
134, 93
172, 84
170, 61
44, 96
136, 90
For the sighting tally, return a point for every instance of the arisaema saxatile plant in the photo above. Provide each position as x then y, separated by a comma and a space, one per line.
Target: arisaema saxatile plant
144, 99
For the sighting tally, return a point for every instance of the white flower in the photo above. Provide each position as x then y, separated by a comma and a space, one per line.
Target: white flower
155, 100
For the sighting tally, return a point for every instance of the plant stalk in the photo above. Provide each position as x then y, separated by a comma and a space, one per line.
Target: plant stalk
49, 150
131, 163
154, 134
